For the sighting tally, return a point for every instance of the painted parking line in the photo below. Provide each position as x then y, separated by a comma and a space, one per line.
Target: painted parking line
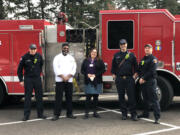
172, 127
158, 131
33, 120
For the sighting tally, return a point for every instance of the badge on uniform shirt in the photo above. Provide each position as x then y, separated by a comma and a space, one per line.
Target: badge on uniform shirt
91, 65
142, 62
35, 60
155, 60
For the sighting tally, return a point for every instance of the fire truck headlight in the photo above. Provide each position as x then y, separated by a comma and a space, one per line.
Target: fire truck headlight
177, 65
160, 64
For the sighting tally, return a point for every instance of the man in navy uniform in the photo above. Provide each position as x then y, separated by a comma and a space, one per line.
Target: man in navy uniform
147, 74
124, 66
31, 63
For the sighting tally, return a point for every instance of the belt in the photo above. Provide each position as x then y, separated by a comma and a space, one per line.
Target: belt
124, 76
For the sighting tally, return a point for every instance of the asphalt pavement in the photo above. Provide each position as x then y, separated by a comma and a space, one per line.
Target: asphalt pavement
110, 122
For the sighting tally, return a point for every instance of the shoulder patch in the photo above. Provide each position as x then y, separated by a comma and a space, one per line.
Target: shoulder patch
155, 60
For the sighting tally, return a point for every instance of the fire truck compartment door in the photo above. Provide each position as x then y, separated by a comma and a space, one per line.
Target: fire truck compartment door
4, 49
6, 60
152, 35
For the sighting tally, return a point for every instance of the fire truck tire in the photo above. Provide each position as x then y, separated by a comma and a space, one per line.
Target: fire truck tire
1, 94
14, 99
166, 92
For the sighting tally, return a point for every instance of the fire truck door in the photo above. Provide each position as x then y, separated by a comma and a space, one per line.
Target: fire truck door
153, 36
5, 59
4, 49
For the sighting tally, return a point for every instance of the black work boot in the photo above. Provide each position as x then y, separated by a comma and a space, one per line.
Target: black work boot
86, 116
55, 117
143, 116
96, 115
134, 117
25, 118
156, 121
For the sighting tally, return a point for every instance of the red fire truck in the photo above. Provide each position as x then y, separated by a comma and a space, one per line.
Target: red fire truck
15, 38
155, 26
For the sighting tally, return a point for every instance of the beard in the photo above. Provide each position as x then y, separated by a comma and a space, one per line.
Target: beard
65, 52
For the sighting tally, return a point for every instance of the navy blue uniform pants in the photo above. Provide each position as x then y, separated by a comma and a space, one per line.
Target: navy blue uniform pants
60, 88
150, 98
126, 86
30, 84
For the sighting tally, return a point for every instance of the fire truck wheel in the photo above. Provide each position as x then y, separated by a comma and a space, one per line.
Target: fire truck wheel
14, 99
1, 94
165, 92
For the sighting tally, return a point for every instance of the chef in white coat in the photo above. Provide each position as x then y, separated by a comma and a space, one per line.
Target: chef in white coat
64, 66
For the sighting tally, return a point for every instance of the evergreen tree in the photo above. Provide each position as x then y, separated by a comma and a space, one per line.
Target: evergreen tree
2, 10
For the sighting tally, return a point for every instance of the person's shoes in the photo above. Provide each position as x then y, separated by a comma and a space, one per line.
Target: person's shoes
156, 121
124, 117
42, 117
96, 115
55, 117
71, 116
134, 118
86, 116
25, 118
143, 116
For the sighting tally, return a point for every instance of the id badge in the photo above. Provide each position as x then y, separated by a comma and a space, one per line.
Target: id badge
91, 65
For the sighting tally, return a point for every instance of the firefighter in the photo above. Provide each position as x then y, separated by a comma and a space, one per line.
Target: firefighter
147, 74
124, 66
31, 63
64, 68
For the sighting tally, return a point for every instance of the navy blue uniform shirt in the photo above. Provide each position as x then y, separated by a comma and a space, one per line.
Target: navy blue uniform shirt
147, 67
128, 68
32, 65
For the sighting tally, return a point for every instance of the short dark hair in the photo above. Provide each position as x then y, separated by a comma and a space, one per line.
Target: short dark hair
65, 44
148, 45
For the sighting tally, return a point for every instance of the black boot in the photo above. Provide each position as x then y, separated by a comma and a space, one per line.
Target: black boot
96, 115
86, 116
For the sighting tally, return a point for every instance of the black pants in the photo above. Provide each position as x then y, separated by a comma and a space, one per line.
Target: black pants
126, 86
88, 102
30, 84
68, 88
150, 98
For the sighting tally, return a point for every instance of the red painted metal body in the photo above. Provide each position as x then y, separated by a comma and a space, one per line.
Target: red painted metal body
155, 26
15, 38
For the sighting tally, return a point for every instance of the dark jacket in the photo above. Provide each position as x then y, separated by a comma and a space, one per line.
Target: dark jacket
128, 68
99, 70
32, 66
147, 67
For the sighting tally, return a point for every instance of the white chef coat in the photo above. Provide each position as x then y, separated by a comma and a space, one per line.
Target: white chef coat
64, 65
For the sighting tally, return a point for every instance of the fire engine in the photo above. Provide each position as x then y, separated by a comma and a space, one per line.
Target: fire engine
155, 26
